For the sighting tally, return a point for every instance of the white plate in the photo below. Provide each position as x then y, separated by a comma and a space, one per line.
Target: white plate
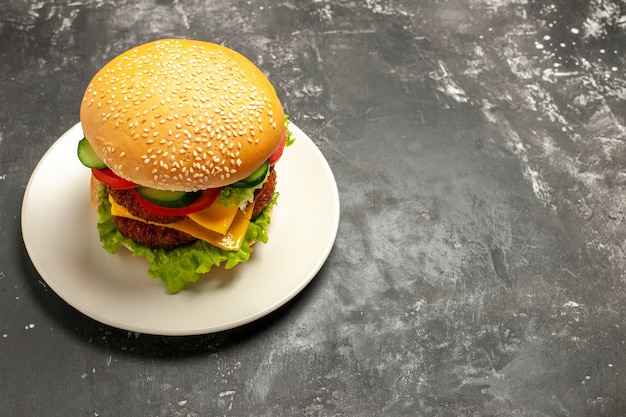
59, 230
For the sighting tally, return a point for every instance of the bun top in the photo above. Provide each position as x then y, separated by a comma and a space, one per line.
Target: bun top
184, 115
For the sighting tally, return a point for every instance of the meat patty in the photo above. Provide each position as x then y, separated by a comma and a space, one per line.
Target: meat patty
263, 196
151, 235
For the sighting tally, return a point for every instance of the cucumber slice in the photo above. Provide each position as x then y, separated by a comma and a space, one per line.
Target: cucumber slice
255, 178
88, 157
166, 198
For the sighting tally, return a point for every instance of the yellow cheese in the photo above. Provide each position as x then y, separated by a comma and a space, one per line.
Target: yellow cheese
216, 217
231, 239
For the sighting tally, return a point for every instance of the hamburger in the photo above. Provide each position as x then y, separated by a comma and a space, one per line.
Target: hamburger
182, 137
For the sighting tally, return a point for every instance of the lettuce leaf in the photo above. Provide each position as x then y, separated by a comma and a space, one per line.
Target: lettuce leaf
181, 266
290, 136
239, 196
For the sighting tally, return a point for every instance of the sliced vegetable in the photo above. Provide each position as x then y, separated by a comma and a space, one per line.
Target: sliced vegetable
166, 198
87, 155
204, 200
111, 179
275, 156
255, 178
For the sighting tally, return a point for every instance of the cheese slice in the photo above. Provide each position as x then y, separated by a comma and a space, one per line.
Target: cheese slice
206, 226
216, 217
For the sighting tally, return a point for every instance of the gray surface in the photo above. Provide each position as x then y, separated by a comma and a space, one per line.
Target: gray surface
479, 149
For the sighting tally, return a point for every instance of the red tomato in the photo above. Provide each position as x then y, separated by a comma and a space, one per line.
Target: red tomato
111, 179
207, 198
278, 152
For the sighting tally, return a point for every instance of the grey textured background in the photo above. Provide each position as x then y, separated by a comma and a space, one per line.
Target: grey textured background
479, 149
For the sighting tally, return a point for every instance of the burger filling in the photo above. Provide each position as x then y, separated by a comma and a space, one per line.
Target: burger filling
156, 230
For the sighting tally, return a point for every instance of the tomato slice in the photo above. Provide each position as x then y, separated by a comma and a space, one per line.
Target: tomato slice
278, 152
207, 198
111, 179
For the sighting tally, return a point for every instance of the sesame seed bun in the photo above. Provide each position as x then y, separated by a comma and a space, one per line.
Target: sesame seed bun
184, 115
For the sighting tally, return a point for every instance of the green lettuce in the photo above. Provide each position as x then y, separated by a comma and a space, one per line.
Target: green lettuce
239, 196
181, 266
290, 136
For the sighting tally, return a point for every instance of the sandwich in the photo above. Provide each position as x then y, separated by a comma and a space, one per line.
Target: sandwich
182, 137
